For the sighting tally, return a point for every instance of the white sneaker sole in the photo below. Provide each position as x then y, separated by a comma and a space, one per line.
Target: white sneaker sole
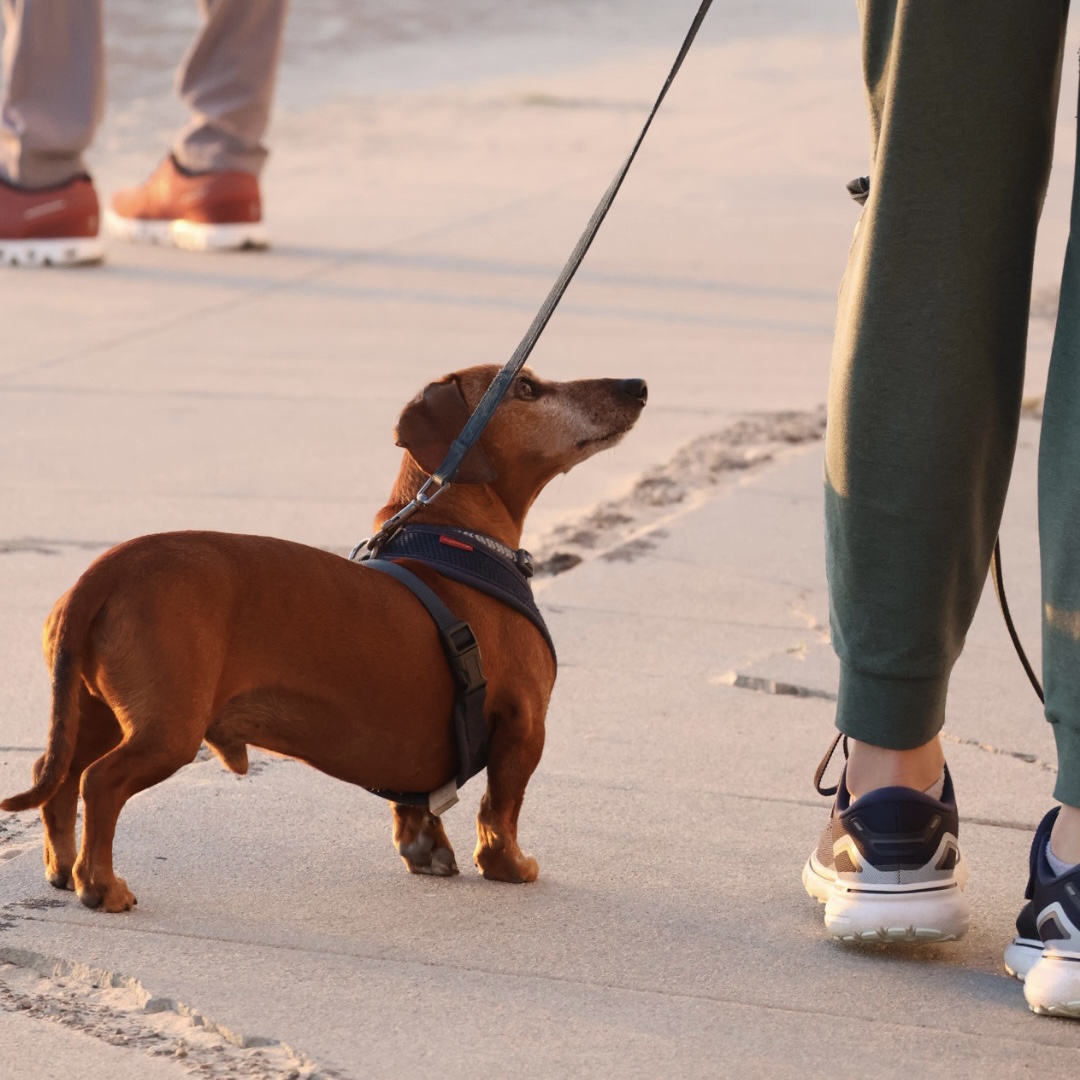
74, 251
189, 235
1021, 955
1052, 986
906, 915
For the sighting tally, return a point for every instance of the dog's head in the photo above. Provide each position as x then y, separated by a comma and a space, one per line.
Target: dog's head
541, 428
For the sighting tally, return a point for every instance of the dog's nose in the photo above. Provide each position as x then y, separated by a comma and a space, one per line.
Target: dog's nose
635, 388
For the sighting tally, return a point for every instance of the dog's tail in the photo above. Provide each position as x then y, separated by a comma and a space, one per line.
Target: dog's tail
65, 633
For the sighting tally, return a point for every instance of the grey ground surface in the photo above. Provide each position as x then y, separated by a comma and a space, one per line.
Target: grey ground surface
419, 216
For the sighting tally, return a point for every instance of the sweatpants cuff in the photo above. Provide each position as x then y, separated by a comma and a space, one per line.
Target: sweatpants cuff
1067, 788
898, 714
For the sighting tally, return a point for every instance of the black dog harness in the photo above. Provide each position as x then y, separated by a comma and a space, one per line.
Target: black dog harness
491, 567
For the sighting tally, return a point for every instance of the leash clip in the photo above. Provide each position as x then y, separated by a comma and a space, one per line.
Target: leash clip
369, 548
440, 485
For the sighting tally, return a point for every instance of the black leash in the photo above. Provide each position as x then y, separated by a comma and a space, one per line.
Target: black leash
444, 474
999, 588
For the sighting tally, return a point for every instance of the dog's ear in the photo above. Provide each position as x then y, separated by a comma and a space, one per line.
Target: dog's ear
431, 422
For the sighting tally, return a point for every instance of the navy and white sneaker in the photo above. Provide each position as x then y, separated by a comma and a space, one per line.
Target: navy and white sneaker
888, 867
1045, 953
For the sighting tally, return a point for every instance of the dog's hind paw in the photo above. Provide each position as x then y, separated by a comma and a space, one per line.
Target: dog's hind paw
116, 897
60, 879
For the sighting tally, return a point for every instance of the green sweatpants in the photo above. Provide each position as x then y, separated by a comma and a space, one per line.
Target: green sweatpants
928, 365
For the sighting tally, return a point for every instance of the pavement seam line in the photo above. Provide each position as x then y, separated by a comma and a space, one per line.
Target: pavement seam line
1017, 755
684, 995
770, 686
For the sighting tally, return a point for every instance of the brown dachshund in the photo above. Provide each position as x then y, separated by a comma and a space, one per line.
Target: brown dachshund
170, 640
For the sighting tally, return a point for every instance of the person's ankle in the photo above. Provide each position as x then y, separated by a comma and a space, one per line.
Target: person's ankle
1065, 836
871, 767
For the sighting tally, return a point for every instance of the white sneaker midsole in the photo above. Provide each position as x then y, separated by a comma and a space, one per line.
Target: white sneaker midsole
190, 235
1021, 955
68, 251
939, 916
1052, 986
928, 912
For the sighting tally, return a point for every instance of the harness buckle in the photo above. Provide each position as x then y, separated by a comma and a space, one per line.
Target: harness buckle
463, 655
441, 799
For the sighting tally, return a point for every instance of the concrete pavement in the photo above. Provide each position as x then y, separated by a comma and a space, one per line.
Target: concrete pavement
415, 232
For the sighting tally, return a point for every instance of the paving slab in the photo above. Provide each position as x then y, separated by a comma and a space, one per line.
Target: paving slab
671, 814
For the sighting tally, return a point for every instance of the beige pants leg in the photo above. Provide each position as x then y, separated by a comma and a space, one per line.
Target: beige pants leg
54, 89
227, 81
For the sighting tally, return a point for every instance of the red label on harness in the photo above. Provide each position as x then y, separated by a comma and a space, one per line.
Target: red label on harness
449, 541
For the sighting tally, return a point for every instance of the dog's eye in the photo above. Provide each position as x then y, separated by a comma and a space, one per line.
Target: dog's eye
527, 389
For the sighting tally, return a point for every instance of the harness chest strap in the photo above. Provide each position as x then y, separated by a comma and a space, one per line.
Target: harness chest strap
476, 560
463, 655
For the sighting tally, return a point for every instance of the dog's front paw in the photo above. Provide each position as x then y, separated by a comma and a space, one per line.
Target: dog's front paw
422, 843
437, 863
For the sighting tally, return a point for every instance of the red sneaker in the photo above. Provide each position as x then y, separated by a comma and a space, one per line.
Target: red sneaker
54, 226
211, 211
